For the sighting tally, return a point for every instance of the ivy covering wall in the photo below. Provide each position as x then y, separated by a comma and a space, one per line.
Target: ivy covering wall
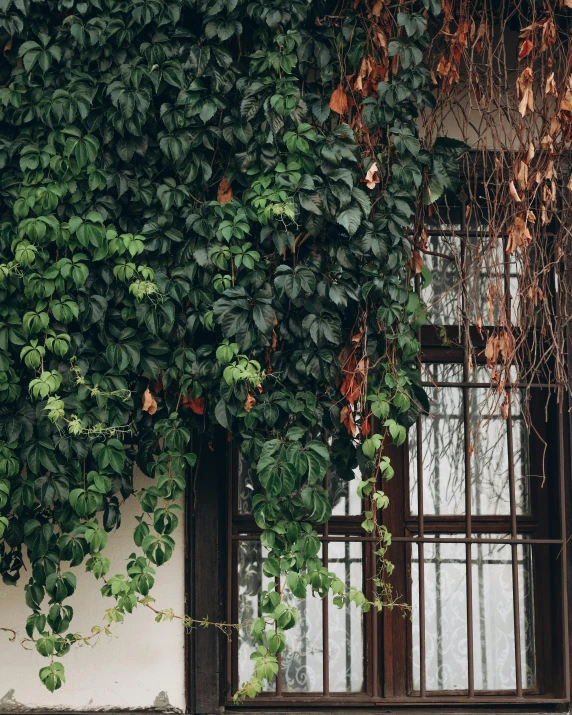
206, 218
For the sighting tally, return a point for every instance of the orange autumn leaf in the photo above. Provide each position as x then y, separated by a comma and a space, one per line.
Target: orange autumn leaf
339, 101
526, 48
196, 404
350, 388
149, 402
224, 193
347, 419
250, 402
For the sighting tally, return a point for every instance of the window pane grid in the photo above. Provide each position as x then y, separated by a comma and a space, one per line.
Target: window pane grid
443, 469
339, 637
491, 547
447, 626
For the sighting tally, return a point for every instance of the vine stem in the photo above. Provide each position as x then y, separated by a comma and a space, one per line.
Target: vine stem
13, 633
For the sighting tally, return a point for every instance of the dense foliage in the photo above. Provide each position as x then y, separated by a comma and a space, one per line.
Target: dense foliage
186, 240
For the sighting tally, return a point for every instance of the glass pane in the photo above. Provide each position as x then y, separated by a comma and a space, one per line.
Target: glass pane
251, 582
445, 617
302, 659
442, 446
493, 616
302, 668
443, 449
449, 248
343, 495
485, 279
443, 295
490, 490
346, 639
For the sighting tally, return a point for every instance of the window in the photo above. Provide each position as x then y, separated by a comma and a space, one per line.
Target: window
327, 650
478, 523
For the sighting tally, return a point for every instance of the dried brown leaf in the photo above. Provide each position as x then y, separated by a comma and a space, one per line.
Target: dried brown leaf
550, 87
549, 35
524, 92
492, 350
518, 235
417, 262
339, 101
149, 402
522, 175
224, 193
566, 104
347, 419
377, 7
505, 406
513, 192
372, 176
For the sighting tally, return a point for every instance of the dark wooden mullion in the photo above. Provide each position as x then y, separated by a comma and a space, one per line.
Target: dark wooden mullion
208, 550
325, 614
540, 502
480, 524
231, 664
393, 629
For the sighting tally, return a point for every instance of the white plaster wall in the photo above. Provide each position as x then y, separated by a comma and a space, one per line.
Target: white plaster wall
141, 667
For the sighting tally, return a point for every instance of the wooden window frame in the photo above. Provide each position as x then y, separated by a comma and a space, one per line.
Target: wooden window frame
387, 635
213, 527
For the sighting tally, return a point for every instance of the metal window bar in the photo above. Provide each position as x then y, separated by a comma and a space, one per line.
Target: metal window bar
467, 461
421, 556
325, 610
512, 496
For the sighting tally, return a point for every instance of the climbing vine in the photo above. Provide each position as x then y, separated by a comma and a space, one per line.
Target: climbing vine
206, 218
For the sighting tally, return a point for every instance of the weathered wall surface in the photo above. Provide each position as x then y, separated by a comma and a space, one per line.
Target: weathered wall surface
141, 667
